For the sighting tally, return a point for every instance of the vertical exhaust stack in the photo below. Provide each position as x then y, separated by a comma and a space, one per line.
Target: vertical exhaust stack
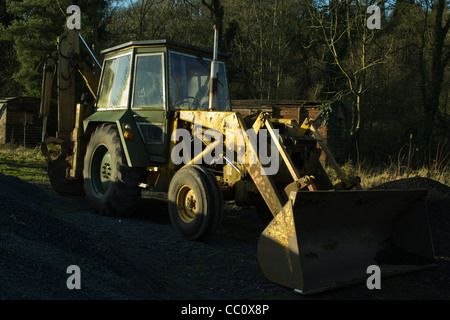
213, 99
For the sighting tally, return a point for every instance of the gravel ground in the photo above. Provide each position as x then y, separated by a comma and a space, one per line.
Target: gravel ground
141, 257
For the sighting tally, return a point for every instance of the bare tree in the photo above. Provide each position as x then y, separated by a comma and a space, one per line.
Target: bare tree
216, 10
434, 58
351, 44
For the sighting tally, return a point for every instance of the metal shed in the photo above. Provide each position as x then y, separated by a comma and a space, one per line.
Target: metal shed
19, 121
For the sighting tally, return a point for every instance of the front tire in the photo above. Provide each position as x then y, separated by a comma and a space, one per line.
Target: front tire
195, 203
111, 187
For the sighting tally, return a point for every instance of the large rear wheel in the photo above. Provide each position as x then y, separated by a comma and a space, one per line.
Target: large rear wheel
111, 187
195, 203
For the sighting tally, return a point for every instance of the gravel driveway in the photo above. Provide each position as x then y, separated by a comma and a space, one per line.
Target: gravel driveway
141, 257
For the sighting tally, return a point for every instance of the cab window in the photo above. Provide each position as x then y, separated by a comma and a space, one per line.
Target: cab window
149, 81
190, 82
115, 84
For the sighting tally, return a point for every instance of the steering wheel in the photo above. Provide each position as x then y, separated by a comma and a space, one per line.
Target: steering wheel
184, 100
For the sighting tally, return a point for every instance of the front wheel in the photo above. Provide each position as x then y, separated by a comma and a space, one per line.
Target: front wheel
111, 187
195, 203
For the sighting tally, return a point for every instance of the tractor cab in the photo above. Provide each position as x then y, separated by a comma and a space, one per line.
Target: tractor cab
147, 81
159, 75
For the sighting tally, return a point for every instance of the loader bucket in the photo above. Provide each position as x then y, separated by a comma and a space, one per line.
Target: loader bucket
328, 239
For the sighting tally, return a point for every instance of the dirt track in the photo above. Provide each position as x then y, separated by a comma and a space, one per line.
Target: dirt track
142, 257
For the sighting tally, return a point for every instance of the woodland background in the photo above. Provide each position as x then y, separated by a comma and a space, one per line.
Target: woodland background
394, 80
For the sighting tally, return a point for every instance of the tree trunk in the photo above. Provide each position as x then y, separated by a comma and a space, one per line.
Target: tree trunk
433, 78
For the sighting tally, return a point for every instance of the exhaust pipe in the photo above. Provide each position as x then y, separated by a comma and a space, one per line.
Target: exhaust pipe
213, 99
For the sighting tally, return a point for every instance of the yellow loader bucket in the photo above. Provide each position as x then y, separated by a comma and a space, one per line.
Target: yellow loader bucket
328, 239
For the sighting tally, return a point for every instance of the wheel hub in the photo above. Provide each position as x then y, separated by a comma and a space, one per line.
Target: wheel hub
101, 170
187, 204
106, 170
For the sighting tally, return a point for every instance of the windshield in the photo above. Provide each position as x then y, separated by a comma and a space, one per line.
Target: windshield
190, 82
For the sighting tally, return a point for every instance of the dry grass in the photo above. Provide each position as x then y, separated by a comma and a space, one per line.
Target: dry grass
403, 165
22, 162
21, 153
29, 164
371, 177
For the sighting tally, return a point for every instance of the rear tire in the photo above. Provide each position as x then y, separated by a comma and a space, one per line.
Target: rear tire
111, 187
195, 203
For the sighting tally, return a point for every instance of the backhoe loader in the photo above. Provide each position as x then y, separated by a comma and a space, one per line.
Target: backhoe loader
162, 120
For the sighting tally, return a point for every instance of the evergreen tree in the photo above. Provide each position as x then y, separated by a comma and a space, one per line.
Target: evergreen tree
8, 61
34, 28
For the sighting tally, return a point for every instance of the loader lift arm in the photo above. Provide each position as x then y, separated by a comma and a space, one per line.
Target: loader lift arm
236, 129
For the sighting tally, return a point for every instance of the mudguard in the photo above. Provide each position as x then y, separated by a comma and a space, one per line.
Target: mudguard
134, 148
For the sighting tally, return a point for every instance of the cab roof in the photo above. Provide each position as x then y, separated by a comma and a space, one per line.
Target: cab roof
165, 43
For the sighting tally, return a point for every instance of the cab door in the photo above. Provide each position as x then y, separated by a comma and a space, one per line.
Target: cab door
148, 103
